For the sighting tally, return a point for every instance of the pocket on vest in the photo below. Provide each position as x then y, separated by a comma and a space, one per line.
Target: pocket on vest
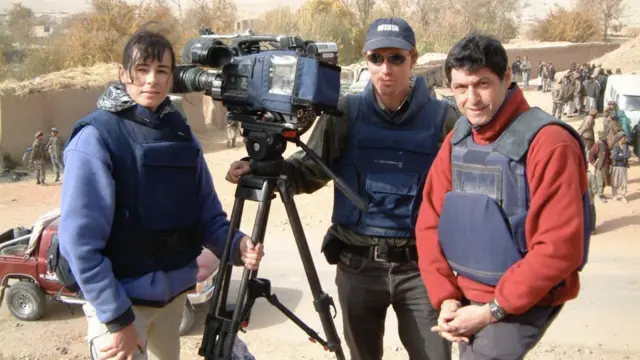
476, 238
168, 188
391, 198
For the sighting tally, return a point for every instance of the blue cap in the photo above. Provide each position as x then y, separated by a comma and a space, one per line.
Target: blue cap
390, 33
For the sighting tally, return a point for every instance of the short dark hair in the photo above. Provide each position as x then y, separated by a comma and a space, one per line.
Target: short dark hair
476, 51
150, 45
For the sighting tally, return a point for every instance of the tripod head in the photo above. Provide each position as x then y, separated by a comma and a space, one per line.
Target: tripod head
266, 142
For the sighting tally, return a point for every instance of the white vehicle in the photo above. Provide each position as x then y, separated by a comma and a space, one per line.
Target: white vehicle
625, 91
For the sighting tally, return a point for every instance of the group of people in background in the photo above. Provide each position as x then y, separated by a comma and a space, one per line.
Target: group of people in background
581, 90
610, 152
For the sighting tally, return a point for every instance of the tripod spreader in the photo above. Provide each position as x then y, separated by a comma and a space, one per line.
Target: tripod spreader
261, 288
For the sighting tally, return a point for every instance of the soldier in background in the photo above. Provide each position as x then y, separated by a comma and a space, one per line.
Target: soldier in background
558, 95
552, 72
586, 129
525, 68
38, 157
55, 147
568, 91
516, 70
233, 128
600, 158
578, 95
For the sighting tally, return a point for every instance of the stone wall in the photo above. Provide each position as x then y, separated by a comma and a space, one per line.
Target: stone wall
22, 116
561, 56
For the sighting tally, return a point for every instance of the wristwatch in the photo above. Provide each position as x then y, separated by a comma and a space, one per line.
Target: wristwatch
496, 311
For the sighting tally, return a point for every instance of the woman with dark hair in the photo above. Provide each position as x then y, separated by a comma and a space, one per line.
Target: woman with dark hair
138, 205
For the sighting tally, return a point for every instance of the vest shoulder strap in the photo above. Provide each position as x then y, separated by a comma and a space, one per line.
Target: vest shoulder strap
515, 141
461, 130
92, 119
352, 104
440, 107
105, 123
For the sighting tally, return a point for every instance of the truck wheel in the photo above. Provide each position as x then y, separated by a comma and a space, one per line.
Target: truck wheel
188, 318
26, 301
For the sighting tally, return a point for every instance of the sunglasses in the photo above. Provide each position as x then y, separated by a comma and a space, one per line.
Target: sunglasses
393, 59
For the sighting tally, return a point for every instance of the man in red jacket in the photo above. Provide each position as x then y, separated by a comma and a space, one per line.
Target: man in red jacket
501, 231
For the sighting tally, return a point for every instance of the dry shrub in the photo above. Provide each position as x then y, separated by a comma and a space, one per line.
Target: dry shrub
561, 24
631, 32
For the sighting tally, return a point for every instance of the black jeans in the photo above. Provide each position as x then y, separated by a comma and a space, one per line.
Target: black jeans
512, 338
366, 289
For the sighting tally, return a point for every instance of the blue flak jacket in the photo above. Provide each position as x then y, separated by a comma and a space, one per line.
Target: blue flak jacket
386, 161
482, 223
138, 204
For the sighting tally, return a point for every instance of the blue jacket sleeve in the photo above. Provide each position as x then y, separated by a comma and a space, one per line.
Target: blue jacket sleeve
87, 207
214, 223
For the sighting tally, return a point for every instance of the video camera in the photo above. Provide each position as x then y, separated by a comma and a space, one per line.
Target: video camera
275, 87
270, 84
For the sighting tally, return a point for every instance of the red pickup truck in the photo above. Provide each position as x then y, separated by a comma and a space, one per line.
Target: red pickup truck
25, 273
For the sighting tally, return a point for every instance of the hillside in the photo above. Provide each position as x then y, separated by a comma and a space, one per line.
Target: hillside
626, 57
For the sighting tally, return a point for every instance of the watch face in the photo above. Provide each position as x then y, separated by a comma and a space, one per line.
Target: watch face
496, 311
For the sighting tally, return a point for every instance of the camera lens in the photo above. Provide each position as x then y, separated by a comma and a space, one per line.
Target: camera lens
206, 52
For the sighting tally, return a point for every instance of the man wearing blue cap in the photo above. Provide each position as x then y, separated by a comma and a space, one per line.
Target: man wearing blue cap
383, 147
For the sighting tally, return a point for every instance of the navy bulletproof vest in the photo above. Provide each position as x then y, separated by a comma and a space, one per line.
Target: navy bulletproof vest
386, 164
155, 170
482, 223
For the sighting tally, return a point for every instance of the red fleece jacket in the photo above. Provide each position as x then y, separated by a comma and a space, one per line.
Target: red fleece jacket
554, 228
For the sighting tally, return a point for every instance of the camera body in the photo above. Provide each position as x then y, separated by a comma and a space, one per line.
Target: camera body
276, 82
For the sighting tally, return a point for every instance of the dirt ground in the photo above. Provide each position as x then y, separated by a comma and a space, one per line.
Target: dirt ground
600, 324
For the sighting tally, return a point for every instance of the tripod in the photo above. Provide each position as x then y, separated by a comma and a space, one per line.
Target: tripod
267, 175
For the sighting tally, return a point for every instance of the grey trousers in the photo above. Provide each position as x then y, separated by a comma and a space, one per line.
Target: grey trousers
557, 110
512, 338
366, 289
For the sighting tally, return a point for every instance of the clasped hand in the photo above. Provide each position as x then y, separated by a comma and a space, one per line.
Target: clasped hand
251, 254
458, 323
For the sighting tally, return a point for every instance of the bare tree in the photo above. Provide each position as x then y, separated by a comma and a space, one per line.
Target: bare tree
20, 21
362, 9
606, 11
396, 8
280, 20
219, 15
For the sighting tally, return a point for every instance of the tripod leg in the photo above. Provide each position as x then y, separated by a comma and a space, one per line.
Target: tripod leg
210, 348
236, 217
313, 335
259, 230
322, 301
